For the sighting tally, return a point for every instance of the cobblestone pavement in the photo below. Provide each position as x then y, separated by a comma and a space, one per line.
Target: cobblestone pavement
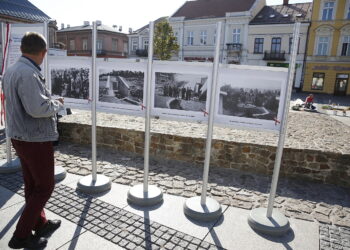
303, 200
332, 237
127, 230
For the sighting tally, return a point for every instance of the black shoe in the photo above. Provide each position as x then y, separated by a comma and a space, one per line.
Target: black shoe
48, 228
30, 242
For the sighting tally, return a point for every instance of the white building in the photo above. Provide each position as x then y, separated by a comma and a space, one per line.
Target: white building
194, 25
138, 40
270, 36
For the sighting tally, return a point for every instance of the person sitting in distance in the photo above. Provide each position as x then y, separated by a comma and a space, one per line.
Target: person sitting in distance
309, 101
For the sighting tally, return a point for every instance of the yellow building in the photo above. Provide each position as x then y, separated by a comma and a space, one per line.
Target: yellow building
328, 53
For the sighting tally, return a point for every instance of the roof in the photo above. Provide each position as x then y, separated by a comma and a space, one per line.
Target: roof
279, 14
21, 10
101, 27
212, 8
147, 26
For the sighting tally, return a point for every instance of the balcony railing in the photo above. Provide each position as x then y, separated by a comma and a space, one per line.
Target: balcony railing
234, 47
275, 55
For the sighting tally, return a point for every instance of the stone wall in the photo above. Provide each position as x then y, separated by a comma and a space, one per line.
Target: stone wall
308, 164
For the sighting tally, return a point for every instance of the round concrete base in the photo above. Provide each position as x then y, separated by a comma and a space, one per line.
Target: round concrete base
137, 196
276, 225
12, 167
87, 185
210, 211
60, 173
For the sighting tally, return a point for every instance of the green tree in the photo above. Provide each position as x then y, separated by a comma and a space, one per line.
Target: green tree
165, 44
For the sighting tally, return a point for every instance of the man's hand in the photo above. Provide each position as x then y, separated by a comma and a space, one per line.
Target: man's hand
61, 100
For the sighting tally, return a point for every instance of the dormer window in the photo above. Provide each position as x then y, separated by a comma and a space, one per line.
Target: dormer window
272, 16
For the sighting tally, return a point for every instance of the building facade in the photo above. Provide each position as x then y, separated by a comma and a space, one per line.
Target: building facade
328, 54
139, 40
271, 33
194, 25
78, 41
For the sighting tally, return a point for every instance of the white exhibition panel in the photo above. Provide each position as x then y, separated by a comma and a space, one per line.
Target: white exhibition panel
181, 90
251, 96
121, 86
17, 31
71, 78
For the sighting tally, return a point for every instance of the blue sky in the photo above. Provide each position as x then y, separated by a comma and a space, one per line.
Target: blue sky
128, 14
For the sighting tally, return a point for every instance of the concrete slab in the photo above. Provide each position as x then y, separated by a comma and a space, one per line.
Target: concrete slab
170, 213
8, 198
116, 196
235, 233
89, 241
10, 216
70, 178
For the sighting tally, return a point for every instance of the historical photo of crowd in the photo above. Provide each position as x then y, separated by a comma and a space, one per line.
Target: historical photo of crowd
260, 102
180, 91
70, 82
121, 86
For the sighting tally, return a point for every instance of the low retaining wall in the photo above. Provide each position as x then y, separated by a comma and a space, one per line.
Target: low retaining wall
307, 164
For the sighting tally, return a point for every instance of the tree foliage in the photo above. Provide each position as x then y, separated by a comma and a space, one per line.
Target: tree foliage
165, 44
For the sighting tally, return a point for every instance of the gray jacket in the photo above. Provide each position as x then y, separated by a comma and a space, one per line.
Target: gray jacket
30, 111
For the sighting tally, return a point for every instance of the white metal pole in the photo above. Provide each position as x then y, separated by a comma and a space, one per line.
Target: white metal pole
284, 121
148, 107
214, 87
46, 69
4, 41
93, 104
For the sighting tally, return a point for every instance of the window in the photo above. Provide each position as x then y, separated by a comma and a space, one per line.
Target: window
322, 46
99, 45
203, 39
290, 44
190, 38
125, 46
317, 81
276, 45
345, 51
348, 17
85, 44
327, 12
176, 36
134, 44
145, 44
114, 44
72, 44
236, 38
258, 45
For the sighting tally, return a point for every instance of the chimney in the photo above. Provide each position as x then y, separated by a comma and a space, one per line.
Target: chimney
98, 22
285, 2
86, 23
68, 25
62, 26
115, 26
130, 30
120, 28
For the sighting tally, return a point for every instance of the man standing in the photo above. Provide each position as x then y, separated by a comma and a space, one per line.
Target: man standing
31, 125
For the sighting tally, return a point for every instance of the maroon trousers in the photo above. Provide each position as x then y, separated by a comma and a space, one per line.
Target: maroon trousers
37, 159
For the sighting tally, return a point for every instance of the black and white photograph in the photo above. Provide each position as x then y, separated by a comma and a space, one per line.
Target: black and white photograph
179, 91
259, 103
71, 82
121, 86
251, 96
